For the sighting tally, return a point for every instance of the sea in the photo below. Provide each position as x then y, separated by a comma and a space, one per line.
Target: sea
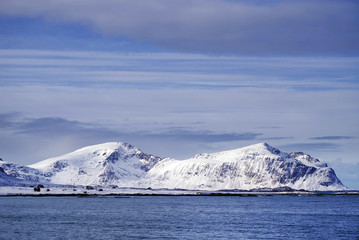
180, 217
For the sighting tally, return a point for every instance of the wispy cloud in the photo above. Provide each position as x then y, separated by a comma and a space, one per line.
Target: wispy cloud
204, 136
275, 138
245, 27
320, 147
9, 120
59, 127
332, 138
51, 126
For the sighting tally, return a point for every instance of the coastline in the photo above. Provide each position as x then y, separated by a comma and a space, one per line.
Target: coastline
6, 191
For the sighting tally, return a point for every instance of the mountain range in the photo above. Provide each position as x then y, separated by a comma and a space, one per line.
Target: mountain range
258, 166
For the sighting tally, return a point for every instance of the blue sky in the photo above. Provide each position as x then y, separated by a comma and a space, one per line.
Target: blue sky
178, 78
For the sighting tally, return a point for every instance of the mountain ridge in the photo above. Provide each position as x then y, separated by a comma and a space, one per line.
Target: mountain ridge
121, 164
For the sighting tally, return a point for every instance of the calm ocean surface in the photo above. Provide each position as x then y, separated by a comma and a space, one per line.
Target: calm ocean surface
181, 217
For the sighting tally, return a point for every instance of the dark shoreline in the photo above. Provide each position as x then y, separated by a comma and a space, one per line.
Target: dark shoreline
198, 194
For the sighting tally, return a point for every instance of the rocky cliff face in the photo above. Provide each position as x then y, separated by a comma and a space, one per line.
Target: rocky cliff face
253, 167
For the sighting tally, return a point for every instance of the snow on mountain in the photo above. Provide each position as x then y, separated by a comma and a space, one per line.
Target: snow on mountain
6, 180
252, 167
121, 164
15, 174
307, 159
113, 163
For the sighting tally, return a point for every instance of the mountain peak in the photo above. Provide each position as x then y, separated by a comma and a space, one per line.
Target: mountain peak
109, 146
255, 151
260, 149
262, 145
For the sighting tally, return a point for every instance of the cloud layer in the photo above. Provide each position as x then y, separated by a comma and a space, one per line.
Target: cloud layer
332, 138
170, 70
231, 27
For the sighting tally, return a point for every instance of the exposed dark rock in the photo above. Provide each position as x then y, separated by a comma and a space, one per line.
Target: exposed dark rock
113, 157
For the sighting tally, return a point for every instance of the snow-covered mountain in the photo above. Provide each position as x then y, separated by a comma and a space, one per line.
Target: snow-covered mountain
252, 167
115, 163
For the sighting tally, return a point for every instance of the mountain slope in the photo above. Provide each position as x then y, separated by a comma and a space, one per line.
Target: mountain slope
12, 174
255, 166
6, 180
113, 163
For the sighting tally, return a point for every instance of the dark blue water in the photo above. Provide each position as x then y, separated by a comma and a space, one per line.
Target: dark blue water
197, 217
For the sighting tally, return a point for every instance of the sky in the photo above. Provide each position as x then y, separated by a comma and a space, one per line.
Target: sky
177, 78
